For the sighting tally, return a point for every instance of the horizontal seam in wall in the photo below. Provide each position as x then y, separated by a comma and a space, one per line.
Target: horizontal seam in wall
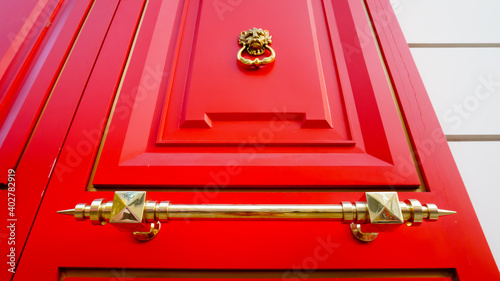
454, 45
455, 138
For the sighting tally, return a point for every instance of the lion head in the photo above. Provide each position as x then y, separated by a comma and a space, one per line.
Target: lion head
255, 39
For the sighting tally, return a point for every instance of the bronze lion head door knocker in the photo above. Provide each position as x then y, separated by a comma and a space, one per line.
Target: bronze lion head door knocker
255, 41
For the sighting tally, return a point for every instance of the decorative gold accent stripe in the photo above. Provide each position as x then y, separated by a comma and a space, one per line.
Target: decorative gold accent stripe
422, 187
90, 186
53, 86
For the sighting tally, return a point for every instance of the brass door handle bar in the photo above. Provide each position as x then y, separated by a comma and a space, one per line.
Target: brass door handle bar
130, 211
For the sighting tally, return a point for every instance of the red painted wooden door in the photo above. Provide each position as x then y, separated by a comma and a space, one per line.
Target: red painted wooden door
149, 96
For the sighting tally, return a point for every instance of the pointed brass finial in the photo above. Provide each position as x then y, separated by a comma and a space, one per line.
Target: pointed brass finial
69, 212
445, 212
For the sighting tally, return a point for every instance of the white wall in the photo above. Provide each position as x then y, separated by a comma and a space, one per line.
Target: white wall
456, 46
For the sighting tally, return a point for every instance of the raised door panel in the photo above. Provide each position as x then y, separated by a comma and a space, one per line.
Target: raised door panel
320, 115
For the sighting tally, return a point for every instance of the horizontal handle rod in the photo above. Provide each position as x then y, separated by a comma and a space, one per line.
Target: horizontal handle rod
244, 212
100, 211
130, 211
334, 212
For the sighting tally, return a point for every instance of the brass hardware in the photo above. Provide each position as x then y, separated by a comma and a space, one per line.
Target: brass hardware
148, 235
255, 41
382, 211
383, 208
362, 236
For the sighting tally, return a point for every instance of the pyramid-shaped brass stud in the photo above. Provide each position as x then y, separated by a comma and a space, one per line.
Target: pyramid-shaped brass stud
384, 208
128, 210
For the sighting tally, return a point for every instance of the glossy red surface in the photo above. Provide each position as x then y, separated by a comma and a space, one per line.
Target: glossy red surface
37, 163
146, 77
28, 61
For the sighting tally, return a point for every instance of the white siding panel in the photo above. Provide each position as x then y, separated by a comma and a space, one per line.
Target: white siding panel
479, 164
464, 87
449, 21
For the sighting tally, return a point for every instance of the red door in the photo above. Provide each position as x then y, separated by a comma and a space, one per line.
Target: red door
151, 97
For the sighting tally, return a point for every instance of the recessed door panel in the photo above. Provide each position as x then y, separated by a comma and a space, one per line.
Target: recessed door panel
116, 274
